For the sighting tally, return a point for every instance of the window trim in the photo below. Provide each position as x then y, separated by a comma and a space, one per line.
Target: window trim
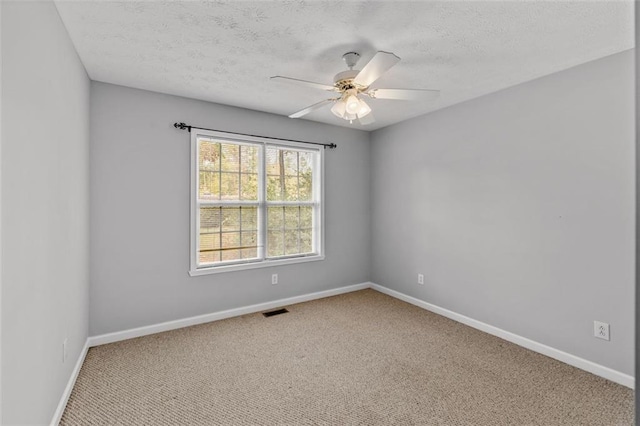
194, 270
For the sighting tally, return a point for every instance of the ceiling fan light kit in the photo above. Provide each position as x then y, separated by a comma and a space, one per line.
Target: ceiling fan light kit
352, 84
350, 107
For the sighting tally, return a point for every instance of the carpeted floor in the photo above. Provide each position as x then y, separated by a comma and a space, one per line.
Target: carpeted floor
359, 358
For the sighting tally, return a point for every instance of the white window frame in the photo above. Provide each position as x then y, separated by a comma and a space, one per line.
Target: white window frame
263, 262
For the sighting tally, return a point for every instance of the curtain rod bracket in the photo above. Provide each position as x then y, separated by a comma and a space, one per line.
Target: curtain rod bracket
184, 126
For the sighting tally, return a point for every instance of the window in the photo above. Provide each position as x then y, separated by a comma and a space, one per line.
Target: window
254, 203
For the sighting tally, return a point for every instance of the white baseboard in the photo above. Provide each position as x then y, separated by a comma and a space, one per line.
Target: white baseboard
57, 416
215, 316
581, 363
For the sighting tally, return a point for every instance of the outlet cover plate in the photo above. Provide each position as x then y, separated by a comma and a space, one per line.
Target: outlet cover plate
601, 330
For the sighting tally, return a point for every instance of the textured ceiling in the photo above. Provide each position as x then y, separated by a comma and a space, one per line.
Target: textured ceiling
225, 51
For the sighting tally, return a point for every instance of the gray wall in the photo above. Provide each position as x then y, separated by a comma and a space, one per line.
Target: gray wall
45, 210
140, 211
519, 209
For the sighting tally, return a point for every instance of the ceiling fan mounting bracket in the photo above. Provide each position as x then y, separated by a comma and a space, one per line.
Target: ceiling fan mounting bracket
351, 59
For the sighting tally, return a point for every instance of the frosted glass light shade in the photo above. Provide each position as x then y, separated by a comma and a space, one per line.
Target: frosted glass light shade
339, 108
364, 109
353, 104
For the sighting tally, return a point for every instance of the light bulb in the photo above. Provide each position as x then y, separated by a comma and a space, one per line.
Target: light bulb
364, 109
338, 109
353, 104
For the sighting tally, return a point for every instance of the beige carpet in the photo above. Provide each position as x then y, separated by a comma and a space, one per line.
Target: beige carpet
360, 358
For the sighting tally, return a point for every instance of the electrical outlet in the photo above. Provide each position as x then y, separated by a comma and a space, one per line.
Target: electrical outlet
64, 351
601, 330
274, 279
420, 279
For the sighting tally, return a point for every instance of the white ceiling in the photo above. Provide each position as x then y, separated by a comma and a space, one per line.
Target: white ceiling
225, 51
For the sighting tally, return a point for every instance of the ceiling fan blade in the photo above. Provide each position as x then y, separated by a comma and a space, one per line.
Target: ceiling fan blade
367, 119
304, 83
311, 108
377, 66
404, 94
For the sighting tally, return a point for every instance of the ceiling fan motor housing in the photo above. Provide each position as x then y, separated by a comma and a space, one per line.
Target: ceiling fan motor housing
343, 81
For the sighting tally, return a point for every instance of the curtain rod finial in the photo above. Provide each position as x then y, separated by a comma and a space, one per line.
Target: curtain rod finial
182, 126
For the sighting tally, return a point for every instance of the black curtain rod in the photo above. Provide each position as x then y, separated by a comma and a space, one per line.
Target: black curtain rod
183, 126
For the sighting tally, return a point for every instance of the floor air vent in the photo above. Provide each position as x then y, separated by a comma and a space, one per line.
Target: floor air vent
276, 312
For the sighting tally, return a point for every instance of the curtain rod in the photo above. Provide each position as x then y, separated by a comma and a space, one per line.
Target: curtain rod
183, 126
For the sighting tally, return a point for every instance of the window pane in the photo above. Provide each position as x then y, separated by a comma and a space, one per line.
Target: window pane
248, 159
249, 244
305, 162
230, 218
306, 217
249, 218
249, 239
275, 243
229, 186
209, 247
208, 155
209, 256
209, 235
209, 219
291, 188
229, 255
291, 217
209, 188
306, 241
231, 246
273, 161
290, 160
289, 175
291, 242
209, 240
230, 240
274, 188
251, 253
305, 187
249, 187
275, 218
230, 158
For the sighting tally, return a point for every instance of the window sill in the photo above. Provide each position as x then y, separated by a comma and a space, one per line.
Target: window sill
262, 264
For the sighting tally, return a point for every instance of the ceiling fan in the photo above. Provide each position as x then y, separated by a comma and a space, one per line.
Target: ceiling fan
352, 85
